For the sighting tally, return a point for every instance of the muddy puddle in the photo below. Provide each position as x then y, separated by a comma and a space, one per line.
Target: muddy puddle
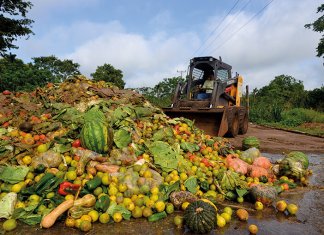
308, 221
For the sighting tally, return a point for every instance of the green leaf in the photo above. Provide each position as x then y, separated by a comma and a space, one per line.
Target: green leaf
13, 174
122, 138
113, 208
191, 184
27, 216
163, 134
189, 147
166, 190
241, 192
164, 156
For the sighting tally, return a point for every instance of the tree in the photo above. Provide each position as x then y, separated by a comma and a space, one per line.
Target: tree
108, 73
162, 93
57, 70
15, 75
13, 23
315, 99
318, 26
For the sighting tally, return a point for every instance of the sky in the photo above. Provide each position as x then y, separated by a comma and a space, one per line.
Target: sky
150, 40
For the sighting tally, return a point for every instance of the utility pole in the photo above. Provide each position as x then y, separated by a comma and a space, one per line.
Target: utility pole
181, 72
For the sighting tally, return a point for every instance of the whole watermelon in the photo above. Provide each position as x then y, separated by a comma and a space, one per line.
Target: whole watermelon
250, 142
96, 134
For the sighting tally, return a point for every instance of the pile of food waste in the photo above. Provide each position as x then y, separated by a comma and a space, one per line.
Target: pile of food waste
85, 152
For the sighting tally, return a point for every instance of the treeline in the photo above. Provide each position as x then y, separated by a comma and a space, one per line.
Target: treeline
285, 100
15, 75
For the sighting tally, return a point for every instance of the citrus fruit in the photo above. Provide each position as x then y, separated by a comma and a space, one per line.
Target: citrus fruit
178, 221
104, 218
85, 226
221, 222
226, 216
258, 206
253, 229
117, 217
9, 225
292, 209
228, 210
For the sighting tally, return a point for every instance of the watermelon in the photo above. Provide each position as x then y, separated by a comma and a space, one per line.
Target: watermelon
250, 142
96, 136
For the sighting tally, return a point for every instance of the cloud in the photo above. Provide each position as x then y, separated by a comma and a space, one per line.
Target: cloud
144, 60
272, 44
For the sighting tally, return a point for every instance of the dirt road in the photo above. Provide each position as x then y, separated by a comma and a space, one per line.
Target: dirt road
278, 141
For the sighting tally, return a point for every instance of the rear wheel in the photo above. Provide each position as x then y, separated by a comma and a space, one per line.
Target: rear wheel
233, 123
244, 122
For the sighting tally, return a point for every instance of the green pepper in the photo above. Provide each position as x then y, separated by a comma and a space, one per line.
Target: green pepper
204, 186
49, 186
38, 186
40, 168
93, 184
157, 216
102, 203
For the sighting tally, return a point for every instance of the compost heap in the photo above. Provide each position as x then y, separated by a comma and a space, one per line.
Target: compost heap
114, 155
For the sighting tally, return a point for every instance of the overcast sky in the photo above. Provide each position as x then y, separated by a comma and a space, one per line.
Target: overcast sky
154, 39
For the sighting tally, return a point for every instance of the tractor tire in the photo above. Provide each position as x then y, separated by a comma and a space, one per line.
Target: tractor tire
233, 123
244, 122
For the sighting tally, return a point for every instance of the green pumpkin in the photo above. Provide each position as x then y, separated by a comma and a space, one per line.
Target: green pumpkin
250, 142
200, 217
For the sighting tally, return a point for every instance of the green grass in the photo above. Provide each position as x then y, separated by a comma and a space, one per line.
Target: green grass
297, 119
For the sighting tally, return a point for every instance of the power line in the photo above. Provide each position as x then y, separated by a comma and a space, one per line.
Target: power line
207, 38
225, 27
181, 72
230, 37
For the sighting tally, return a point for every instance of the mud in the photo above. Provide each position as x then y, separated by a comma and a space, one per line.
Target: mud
309, 219
278, 141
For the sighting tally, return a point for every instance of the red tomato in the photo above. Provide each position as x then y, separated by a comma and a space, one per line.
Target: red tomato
76, 143
6, 92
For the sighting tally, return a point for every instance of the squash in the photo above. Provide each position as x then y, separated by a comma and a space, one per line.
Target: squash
262, 162
200, 217
49, 220
87, 200
250, 142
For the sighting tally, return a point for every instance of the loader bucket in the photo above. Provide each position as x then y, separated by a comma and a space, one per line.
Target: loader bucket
213, 122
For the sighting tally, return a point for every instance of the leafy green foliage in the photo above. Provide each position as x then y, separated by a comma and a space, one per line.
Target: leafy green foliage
13, 23
283, 93
318, 26
58, 70
108, 73
162, 93
15, 75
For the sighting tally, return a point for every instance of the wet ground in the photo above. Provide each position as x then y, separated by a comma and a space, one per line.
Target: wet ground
309, 219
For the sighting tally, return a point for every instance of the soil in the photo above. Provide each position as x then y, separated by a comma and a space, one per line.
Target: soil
279, 141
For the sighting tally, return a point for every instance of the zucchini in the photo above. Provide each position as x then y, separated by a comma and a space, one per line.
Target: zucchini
157, 216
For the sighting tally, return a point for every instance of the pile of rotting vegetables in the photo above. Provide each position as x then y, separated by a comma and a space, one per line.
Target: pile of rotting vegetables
86, 152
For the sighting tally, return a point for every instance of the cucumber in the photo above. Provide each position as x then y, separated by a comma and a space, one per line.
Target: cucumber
157, 216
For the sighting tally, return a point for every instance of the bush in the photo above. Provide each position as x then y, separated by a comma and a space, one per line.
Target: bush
298, 116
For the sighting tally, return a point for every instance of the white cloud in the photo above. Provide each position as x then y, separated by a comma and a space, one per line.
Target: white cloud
275, 43
144, 61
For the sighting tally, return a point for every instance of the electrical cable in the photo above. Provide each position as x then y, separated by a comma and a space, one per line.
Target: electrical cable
226, 26
249, 21
211, 33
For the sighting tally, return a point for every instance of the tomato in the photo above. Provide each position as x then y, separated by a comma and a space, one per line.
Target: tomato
76, 143
205, 162
6, 92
